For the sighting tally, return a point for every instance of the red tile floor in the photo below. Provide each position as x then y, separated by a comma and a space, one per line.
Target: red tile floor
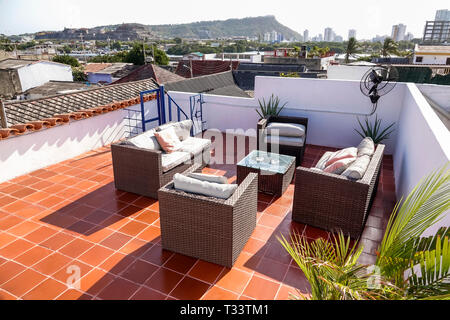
70, 214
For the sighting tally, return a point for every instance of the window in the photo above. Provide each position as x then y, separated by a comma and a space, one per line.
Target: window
419, 59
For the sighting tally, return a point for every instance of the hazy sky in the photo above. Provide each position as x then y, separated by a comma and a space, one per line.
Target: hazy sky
367, 17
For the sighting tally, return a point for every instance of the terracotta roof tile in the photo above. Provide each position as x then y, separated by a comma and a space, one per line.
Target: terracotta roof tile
32, 115
148, 71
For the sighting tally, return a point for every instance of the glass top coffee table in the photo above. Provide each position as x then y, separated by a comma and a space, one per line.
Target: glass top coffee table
275, 171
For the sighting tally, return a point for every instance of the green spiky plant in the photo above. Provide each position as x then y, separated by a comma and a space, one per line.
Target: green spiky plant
408, 265
374, 130
270, 108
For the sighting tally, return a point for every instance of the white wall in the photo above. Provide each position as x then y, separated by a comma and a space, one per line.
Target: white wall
332, 107
431, 59
423, 145
37, 74
438, 93
344, 72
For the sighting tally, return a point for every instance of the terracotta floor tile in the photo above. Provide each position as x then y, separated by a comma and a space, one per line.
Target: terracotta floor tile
33, 255
9, 222
30, 211
95, 281
40, 234
116, 240
67, 272
57, 241
148, 294
117, 263
5, 200
97, 235
6, 238
206, 271
139, 271
96, 255
164, 280
23, 283
247, 262
261, 289
72, 294
287, 293
15, 248
180, 263
97, 216
157, 255
118, 289
216, 293
270, 221
51, 264
47, 290
76, 248
24, 228
255, 246
4, 295
23, 192
144, 202
50, 201
296, 279
147, 216
135, 247
133, 228
151, 233
189, 289
271, 269
9, 270
233, 280
276, 210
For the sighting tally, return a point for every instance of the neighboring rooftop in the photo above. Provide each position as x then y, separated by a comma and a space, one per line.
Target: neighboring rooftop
204, 67
148, 71
219, 84
18, 63
52, 88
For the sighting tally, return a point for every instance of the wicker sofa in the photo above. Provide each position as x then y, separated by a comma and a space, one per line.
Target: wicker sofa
211, 229
295, 151
143, 169
333, 202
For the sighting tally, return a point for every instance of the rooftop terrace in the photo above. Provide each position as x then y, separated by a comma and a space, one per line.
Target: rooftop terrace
71, 214
59, 206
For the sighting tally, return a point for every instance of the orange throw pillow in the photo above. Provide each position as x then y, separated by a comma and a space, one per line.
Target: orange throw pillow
168, 140
341, 155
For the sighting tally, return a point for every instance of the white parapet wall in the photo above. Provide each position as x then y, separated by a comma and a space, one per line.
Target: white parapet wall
423, 145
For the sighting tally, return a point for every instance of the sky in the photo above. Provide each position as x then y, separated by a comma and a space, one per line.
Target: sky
368, 17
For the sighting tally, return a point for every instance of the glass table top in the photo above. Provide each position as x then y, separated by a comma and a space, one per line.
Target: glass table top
266, 161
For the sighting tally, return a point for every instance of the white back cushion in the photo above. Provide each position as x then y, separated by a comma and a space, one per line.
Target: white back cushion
191, 185
286, 129
366, 147
146, 140
208, 177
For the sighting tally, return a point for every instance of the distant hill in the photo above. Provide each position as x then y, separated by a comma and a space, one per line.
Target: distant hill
247, 27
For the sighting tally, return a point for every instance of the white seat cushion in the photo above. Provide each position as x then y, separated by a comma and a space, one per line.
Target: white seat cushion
146, 140
171, 160
208, 177
286, 129
285, 141
194, 146
210, 189
358, 168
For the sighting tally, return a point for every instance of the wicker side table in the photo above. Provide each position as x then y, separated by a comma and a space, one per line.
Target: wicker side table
273, 178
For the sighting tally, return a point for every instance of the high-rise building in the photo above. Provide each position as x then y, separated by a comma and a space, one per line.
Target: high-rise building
436, 33
398, 32
274, 36
320, 37
338, 39
306, 35
409, 36
352, 33
328, 34
442, 15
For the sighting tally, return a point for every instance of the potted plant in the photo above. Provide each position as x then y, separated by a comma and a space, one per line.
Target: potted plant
270, 108
374, 130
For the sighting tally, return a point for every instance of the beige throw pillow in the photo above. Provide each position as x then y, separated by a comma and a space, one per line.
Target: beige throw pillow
358, 168
168, 140
366, 147
217, 190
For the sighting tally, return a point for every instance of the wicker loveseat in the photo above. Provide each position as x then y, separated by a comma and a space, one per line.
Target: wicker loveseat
211, 229
143, 170
333, 202
296, 151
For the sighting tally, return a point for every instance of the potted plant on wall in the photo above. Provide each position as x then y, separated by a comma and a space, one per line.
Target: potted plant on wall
270, 108
374, 131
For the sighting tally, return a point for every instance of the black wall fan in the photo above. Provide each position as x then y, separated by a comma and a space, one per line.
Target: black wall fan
377, 82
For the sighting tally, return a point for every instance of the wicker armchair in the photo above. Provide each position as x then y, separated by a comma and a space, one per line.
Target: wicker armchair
333, 202
207, 228
296, 152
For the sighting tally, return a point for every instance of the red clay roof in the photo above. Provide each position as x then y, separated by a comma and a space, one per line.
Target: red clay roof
204, 67
31, 115
96, 67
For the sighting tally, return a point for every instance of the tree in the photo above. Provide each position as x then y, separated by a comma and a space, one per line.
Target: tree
116, 45
67, 49
178, 40
352, 48
65, 59
136, 55
389, 47
78, 74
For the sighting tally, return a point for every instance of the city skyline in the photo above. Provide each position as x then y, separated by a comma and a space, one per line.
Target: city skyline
371, 20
